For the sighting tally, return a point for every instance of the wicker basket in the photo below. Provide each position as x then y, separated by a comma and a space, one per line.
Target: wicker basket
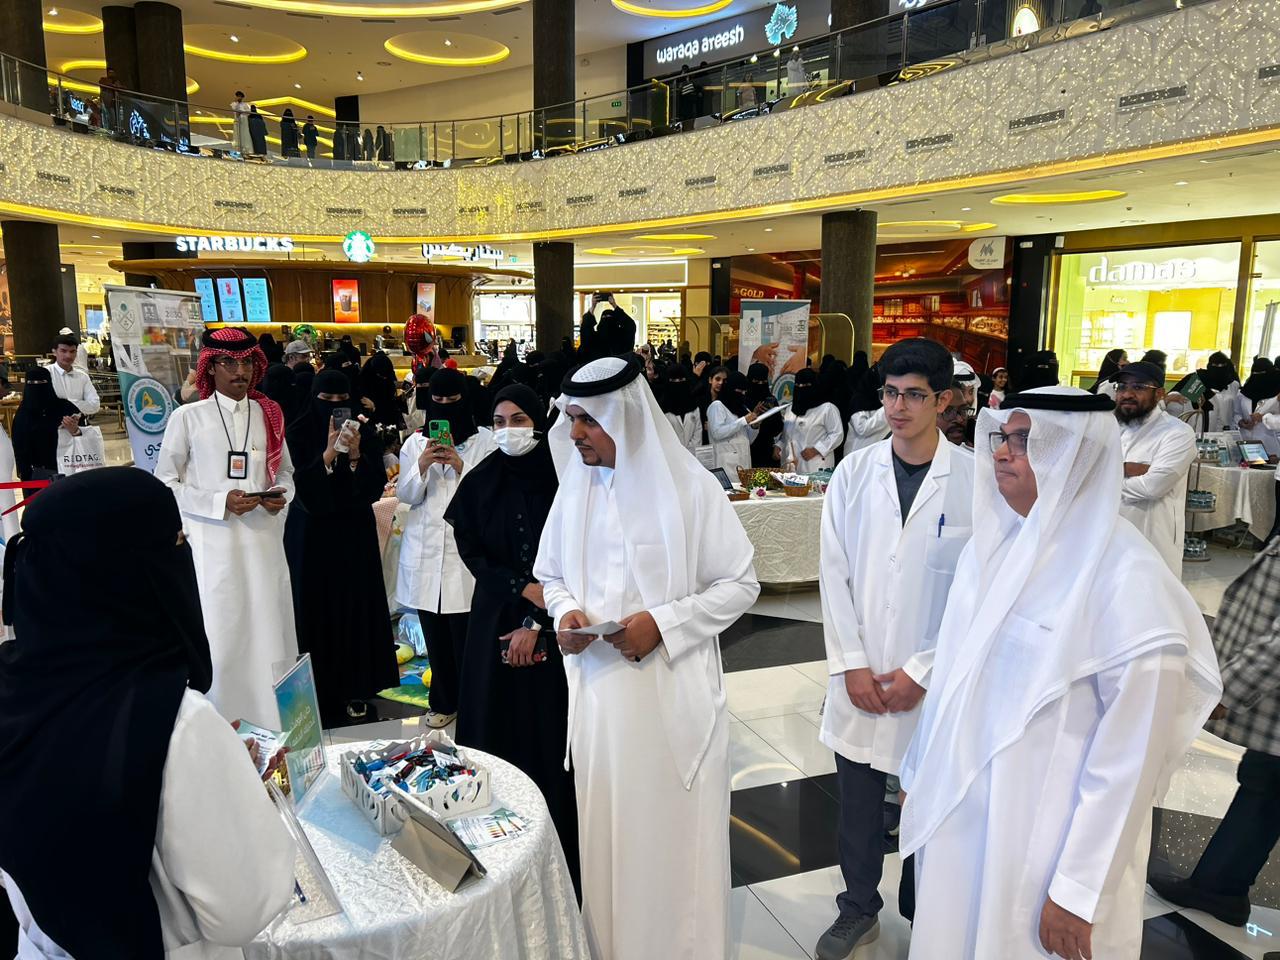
737, 496
796, 490
747, 476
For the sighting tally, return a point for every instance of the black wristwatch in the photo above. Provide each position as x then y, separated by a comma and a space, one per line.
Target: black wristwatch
531, 624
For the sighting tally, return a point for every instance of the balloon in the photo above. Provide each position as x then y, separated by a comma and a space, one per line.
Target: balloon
420, 336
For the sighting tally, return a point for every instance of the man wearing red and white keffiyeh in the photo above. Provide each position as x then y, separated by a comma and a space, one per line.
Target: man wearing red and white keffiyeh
225, 459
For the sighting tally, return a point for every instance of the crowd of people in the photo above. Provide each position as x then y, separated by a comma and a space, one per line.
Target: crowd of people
572, 564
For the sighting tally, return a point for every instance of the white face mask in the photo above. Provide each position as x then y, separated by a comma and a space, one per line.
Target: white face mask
516, 441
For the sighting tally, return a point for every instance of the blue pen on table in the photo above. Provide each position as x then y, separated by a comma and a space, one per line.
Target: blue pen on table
942, 518
297, 889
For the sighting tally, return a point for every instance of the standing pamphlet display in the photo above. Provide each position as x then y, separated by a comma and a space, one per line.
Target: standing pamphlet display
775, 333
155, 339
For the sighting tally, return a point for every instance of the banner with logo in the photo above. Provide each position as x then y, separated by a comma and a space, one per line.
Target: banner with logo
155, 340
775, 333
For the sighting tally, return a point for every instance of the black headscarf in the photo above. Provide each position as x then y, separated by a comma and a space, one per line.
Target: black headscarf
1263, 382
1219, 372
270, 349
677, 394
733, 394
378, 383
806, 394
308, 433
1110, 367
536, 469
281, 385
758, 383
91, 687
1040, 369
462, 421
833, 387
866, 396
36, 422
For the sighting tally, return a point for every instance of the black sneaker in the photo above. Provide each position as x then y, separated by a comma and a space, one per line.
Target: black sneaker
846, 935
1230, 910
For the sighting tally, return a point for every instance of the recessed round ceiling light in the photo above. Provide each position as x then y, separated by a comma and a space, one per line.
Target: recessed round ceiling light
359, 75
751, 249
965, 209
297, 86
448, 42
233, 38
94, 236
71, 22
53, 11
674, 236
768, 229
1080, 196
1180, 183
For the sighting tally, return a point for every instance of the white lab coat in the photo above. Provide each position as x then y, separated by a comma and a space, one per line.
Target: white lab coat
1065, 811
240, 563
865, 428
222, 865
1261, 433
884, 586
1156, 502
820, 428
655, 848
731, 438
76, 387
432, 576
689, 429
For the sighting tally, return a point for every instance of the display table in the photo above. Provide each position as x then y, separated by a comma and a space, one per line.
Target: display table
784, 531
523, 910
1247, 495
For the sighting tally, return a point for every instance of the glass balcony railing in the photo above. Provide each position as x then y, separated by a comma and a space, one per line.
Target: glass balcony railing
902, 48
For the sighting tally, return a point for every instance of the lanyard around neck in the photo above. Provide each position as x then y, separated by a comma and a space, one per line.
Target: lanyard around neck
231, 444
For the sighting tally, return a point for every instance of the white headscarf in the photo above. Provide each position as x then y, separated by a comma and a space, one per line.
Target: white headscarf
663, 496
1054, 558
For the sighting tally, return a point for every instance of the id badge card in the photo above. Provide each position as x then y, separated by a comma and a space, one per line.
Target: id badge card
237, 465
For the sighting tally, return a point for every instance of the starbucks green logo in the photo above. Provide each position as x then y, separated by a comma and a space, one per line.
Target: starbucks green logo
358, 246
148, 405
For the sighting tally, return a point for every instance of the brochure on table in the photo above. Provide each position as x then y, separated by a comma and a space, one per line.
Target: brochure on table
303, 733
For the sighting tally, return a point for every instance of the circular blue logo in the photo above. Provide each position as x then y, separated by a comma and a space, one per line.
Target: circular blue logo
148, 405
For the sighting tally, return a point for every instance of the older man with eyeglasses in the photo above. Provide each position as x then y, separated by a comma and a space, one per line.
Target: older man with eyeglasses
1158, 449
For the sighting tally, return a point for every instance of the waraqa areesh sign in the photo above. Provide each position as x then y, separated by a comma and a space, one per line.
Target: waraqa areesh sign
780, 22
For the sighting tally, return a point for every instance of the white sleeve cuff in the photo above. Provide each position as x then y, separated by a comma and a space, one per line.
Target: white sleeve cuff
1073, 897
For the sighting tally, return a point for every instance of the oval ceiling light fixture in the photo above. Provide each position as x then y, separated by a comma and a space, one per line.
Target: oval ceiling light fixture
66, 20
205, 40
677, 237
70, 66
405, 11
1079, 196
668, 13
645, 252
910, 228
434, 49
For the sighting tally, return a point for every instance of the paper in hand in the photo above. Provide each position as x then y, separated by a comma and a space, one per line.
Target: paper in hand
608, 628
771, 411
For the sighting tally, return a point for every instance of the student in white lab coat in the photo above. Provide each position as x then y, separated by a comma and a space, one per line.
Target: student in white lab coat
642, 535
1072, 671
729, 425
1257, 397
1217, 404
216, 452
812, 430
680, 407
894, 520
189, 858
1158, 451
432, 578
867, 424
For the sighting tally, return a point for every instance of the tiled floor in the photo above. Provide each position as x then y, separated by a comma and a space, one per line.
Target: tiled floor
784, 806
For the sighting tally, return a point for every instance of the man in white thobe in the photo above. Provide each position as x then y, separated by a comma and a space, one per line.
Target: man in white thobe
642, 535
216, 453
1158, 451
1072, 671
71, 382
894, 521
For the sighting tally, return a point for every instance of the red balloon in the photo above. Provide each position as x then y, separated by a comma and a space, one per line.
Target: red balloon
420, 336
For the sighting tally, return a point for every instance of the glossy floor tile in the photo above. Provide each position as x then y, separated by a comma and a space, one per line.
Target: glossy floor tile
1205, 781
771, 692
1206, 582
753, 762
781, 829
796, 739
1179, 838
1257, 938
758, 641
1174, 937
755, 934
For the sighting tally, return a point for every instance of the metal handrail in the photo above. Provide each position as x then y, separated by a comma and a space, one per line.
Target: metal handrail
532, 134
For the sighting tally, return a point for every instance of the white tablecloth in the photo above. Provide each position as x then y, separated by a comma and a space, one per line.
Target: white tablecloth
1247, 495
784, 530
523, 910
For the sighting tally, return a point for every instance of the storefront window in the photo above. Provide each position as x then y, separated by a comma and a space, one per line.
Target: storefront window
1177, 299
1261, 336
503, 317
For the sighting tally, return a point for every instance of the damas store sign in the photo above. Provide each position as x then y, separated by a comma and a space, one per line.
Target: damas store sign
1177, 270
734, 36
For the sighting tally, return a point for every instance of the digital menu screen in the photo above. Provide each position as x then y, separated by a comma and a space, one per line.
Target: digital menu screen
257, 301
346, 301
425, 301
208, 300
229, 300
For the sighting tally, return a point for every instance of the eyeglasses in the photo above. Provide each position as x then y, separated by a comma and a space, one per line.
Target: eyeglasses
1134, 387
232, 363
914, 399
954, 413
1016, 441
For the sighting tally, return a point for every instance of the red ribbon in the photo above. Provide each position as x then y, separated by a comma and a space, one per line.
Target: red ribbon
22, 485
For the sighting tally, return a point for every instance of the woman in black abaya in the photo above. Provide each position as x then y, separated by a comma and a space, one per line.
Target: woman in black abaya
35, 426
331, 541
517, 710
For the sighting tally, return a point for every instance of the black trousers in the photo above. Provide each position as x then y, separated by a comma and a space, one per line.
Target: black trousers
1275, 527
862, 843
1239, 849
446, 637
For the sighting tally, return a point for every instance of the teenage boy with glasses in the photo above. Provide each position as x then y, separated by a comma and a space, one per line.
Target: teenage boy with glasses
895, 518
1158, 450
